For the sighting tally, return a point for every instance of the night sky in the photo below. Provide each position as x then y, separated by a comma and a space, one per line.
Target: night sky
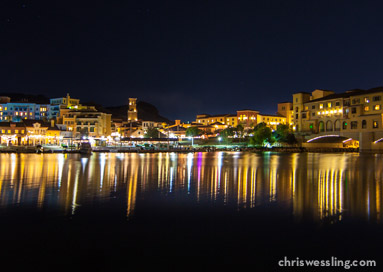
190, 57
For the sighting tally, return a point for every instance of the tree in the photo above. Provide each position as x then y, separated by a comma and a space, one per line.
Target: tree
226, 133
283, 134
193, 131
151, 133
262, 136
239, 130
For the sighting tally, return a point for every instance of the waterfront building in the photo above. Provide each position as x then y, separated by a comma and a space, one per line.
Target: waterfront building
230, 120
272, 121
286, 109
12, 133
247, 118
61, 106
356, 114
88, 123
41, 132
352, 111
17, 111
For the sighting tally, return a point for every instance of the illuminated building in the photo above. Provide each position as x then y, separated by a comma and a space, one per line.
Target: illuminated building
40, 132
286, 109
247, 118
326, 111
230, 120
132, 111
88, 123
13, 133
17, 111
271, 121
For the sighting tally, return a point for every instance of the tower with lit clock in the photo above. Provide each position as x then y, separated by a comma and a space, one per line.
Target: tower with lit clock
132, 111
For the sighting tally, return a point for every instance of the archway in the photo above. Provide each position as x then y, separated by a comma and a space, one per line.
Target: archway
337, 125
329, 126
321, 126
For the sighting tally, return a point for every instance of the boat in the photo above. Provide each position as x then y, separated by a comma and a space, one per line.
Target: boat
85, 148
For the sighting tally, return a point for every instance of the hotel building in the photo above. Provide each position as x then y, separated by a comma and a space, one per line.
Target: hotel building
326, 111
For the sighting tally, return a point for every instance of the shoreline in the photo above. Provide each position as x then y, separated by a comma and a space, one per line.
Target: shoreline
32, 150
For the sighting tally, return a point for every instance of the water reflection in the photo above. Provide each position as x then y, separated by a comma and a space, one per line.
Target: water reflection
318, 186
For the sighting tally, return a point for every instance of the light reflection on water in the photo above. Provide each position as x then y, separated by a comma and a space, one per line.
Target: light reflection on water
318, 186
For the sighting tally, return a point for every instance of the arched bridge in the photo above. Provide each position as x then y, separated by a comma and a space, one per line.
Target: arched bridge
368, 141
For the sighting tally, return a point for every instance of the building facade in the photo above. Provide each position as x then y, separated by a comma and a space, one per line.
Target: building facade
88, 123
352, 111
132, 111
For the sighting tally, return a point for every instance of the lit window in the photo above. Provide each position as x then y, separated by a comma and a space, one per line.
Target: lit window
377, 107
375, 124
16, 131
329, 104
321, 106
366, 100
9, 131
366, 108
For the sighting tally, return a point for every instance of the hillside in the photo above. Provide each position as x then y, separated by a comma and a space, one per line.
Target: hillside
146, 111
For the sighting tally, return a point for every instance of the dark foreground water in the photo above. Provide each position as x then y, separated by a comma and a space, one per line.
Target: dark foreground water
176, 211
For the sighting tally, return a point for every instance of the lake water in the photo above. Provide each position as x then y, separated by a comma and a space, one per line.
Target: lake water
219, 207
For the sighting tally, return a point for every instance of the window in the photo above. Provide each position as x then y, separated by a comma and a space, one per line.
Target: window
92, 129
353, 110
313, 107
376, 98
9, 131
296, 116
364, 124
377, 107
304, 115
366, 100
16, 131
321, 106
337, 103
354, 124
283, 108
313, 114
366, 108
375, 124
355, 101
296, 109
306, 107
329, 104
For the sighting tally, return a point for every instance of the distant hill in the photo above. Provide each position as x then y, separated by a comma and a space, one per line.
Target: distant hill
146, 111
25, 98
